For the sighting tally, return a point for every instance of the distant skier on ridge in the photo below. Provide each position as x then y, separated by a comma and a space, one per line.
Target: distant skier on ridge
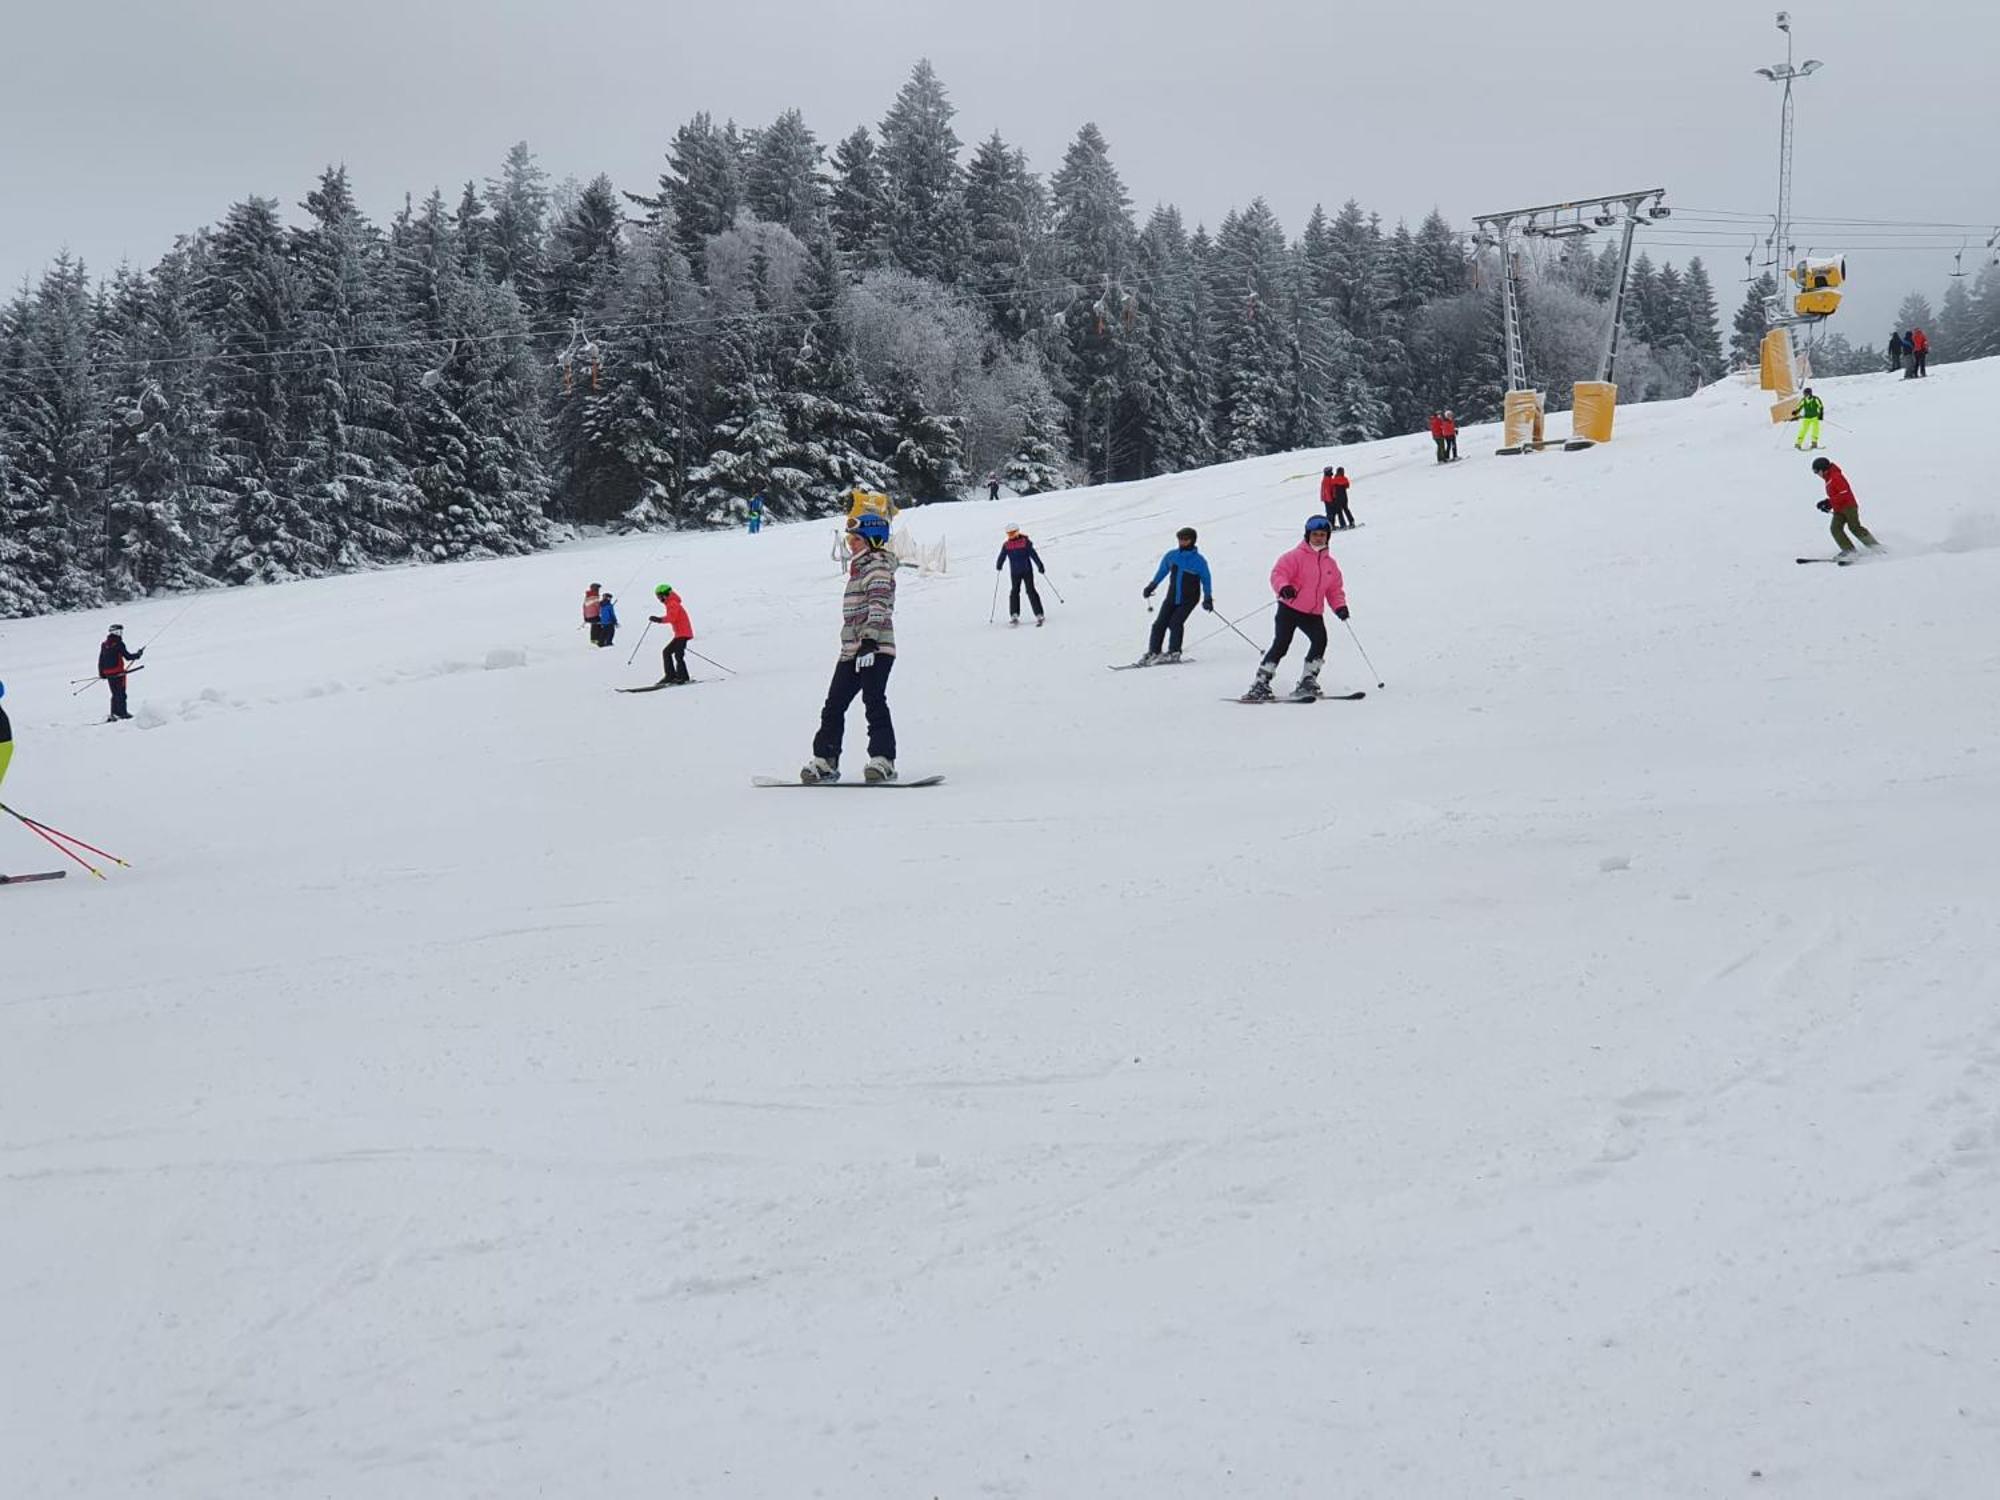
1306, 581
1333, 487
112, 658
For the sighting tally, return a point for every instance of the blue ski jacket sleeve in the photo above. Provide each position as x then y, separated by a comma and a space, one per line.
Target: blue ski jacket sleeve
1189, 564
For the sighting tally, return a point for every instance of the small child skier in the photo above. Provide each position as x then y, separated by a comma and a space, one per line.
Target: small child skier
1842, 506
593, 603
1185, 573
1306, 580
111, 666
1019, 553
673, 614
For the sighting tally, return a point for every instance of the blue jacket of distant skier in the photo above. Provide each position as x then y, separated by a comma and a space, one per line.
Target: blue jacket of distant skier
1187, 566
607, 614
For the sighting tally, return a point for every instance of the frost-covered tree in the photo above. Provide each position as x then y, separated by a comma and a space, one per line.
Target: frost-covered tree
702, 188
781, 180
1752, 320
585, 251
519, 197
1699, 326
1006, 212
924, 215
858, 204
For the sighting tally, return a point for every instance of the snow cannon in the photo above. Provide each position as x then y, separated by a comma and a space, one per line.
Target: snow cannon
1819, 283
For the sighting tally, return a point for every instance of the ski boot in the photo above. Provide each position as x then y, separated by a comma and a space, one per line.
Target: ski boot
1308, 688
1260, 690
1014, 621
819, 769
1171, 659
879, 768
1040, 621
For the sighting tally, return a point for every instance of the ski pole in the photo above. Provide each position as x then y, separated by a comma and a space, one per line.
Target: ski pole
1246, 639
1364, 653
61, 849
1231, 625
1052, 589
712, 662
71, 838
994, 608
638, 643
90, 682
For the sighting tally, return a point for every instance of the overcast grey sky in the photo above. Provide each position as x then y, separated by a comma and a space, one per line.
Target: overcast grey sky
123, 124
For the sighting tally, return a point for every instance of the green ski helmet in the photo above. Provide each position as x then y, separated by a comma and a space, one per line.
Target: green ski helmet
663, 590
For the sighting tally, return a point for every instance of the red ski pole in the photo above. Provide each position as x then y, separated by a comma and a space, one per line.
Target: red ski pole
71, 839
67, 852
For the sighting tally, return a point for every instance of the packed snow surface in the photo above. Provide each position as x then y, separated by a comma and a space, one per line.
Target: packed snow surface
1572, 1072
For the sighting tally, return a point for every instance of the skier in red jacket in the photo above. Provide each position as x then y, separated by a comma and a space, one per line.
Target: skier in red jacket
1842, 506
1920, 353
1450, 438
1437, 433
673, 614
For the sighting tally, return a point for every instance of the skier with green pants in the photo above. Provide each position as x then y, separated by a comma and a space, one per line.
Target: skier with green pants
1809, 411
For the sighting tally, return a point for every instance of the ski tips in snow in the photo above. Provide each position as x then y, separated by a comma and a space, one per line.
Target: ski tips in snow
872, 786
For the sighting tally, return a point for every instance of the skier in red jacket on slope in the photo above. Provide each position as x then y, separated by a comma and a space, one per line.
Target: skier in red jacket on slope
1842, 506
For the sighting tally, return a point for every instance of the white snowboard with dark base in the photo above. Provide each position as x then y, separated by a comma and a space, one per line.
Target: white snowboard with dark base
874, 786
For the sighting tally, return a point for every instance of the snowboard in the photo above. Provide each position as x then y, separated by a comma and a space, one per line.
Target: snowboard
24, 879
1133, 666
873, 786
1288, 698
654, 687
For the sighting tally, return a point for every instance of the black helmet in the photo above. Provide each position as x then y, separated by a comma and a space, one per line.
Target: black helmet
1821, 465
1185, 534
1328, 471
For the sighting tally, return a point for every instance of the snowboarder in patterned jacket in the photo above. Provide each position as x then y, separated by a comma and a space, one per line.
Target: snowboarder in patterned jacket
1808, 413
1019, 552
867, 652
1306, 581
673, 614
1842, 506
111, 666
1333, 487
1185, 573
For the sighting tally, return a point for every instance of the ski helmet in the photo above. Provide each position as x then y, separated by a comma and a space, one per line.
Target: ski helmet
1821, 465
117, 629
1318, 523
663, 590
1327, 471
873, 527
595, 587
1185, 534
1013, 531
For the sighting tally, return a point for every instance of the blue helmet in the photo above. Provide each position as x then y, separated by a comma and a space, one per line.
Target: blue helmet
1318, 523
873, 527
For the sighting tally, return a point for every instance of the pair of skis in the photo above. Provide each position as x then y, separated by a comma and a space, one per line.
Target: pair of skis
876, 786
654, 687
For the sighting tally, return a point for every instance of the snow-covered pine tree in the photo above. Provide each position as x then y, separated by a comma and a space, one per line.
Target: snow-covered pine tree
1006, 211
923, 185
50, 442
1091, 240
1957, 325
585, 249
781, 181
167, 483
857, 208
1172, 430
928, 461
1751, 321
702, 188
1247, 277
344, 463
836, 431
1699, 324
520, 202
1915, 312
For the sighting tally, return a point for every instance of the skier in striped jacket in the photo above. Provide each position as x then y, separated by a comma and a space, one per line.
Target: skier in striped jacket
867, 653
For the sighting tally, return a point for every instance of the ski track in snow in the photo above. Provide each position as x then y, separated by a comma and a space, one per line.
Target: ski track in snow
1572, 1071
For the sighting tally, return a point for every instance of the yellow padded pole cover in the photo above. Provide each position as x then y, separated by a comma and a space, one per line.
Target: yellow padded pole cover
1591, 410
1523, 418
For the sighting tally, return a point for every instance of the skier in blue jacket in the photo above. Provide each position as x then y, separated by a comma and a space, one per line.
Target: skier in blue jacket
1185, 572
607, 621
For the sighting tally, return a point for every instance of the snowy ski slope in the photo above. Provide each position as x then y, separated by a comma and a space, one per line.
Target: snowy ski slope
1572, 1072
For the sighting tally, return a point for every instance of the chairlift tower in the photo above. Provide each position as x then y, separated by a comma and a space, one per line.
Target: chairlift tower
1560, 221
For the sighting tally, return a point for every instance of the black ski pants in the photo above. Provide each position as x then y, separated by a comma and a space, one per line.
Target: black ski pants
1293, 622
1023, 580
873, 687
1171, 621
674, 660
118, 696
1338, 515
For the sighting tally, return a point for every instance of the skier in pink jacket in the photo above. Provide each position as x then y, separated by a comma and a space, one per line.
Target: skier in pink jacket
1306, 580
